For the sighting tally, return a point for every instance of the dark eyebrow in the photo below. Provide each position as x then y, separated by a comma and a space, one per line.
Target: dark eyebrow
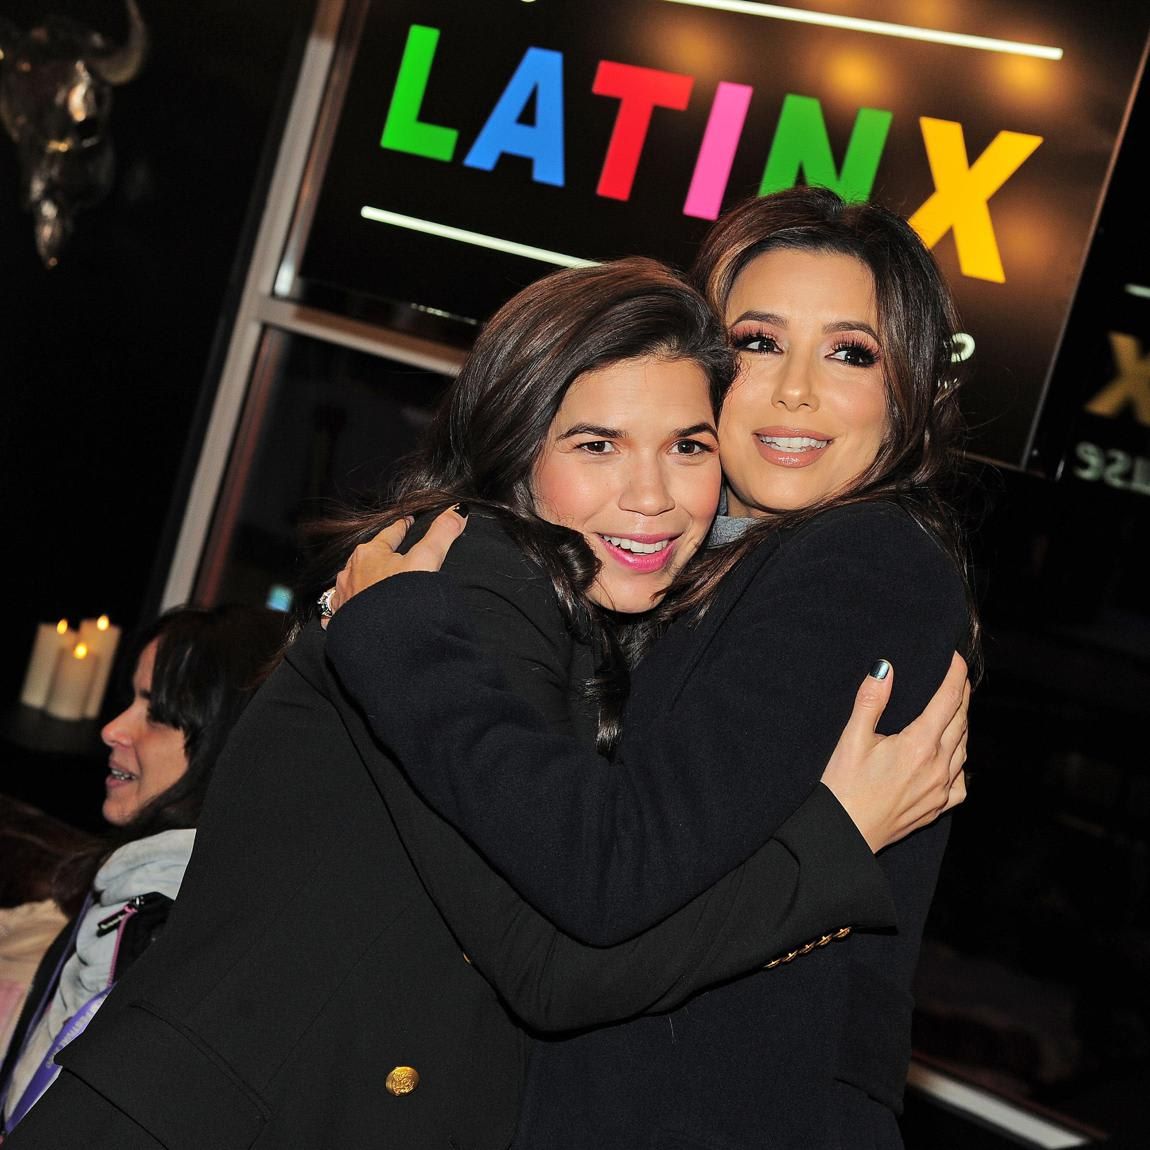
592, 429
616, 433
771, 317
853, 325
762, 317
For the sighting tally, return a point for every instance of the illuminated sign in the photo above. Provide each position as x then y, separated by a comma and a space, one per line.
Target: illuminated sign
479, 146
800, 147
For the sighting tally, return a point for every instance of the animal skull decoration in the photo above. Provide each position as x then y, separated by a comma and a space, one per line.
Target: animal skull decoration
56, 84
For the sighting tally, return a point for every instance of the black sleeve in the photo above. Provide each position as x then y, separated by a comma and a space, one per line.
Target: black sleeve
712, 761
815, 877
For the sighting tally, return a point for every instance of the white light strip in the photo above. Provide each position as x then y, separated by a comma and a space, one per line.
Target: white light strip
1140, 290
995, 1111
429, 227
879, 27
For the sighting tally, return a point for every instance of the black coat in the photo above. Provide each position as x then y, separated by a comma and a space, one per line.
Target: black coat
728, 729
305, 958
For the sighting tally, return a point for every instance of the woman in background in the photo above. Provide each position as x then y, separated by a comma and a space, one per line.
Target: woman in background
195, 672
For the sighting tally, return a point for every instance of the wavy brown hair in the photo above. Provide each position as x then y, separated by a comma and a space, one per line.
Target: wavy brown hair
490, 430
918, 463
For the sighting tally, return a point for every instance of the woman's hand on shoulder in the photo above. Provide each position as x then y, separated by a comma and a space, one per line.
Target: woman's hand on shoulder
893, 785
379, 558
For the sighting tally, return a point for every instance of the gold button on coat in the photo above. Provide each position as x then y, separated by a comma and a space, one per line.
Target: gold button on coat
401, 1080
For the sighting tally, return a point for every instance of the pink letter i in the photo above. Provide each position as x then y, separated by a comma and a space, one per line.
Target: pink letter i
717, 152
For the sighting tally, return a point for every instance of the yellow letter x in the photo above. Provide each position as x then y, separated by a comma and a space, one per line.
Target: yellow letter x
962, 191
1130, 386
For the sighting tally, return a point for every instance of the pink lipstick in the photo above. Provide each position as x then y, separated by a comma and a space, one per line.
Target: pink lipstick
790, 446
641, 554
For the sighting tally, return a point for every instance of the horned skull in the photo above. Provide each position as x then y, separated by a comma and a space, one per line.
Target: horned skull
56, 87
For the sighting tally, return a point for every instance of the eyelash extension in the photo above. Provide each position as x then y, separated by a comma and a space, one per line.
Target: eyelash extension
740, 340
863, 350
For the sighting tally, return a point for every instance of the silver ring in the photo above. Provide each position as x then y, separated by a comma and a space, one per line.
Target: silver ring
324, 603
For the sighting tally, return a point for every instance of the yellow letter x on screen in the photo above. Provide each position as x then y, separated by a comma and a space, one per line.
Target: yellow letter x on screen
962, 192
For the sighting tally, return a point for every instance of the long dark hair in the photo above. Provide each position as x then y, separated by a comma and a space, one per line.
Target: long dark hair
917, 464
491, 428
209, 662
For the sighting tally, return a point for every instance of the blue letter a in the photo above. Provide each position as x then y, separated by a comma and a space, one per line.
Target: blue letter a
539, 72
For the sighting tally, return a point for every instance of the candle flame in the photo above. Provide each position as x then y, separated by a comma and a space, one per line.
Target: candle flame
103, 623
62, 627
80, 651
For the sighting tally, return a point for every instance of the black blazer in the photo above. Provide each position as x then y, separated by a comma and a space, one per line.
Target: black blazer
306, 957
728, 729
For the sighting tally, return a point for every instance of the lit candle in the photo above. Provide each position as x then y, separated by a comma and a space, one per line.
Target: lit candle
51, 639
71, 683
102, 642
90, 633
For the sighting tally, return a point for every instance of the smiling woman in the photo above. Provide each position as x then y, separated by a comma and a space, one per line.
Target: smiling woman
808, 412
147, 756
615, 461
195, 672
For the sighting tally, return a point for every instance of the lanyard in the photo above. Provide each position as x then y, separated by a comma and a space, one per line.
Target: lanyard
47, 1070
45, 999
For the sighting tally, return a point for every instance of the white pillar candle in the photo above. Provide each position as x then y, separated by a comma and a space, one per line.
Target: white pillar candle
71, 683
104, 638
51, 639
90, 632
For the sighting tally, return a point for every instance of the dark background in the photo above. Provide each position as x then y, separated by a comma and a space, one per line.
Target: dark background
103, 358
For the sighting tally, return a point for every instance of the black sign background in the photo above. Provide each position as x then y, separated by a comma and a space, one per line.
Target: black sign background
1042, 216
1112, 308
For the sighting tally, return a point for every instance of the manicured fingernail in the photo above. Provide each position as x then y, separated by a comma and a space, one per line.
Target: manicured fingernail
880, 670
461, 509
